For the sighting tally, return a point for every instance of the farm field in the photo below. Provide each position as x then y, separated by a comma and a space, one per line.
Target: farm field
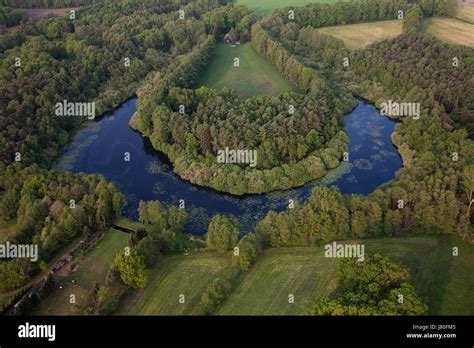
254, 76
303, 272
451, 30
262, 7
466, 13
93, 268
178, 274
306, 273
360, 35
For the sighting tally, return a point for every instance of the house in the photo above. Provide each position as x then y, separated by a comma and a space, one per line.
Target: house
231, 36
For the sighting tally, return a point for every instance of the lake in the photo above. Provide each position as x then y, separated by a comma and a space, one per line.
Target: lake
99, 147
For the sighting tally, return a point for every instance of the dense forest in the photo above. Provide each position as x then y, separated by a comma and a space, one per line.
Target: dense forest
431, 193
81, 60
85, 59
10, 17
94, 58
50, 210
419, 68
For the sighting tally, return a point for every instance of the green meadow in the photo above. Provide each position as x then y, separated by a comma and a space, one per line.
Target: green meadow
305, 273
438, 276
254, 76
177, 275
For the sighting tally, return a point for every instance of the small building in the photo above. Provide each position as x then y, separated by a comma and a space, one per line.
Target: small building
231, 36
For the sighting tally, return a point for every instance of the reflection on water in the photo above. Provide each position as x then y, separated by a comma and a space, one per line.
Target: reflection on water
100, 148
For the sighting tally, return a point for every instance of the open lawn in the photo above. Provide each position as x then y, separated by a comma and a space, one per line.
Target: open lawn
175, 275
302, 272
466, 13
95, 263
262, 7
446, 282
92, 268
254, 76
360, 35
443, 280
450, 30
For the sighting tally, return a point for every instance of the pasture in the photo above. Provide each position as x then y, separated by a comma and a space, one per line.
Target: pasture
176, 275
466, 13
450, 30
263, 7
254, 75
360, 35
438, 276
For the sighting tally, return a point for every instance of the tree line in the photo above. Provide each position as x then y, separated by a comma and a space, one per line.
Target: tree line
350, 12
10, 17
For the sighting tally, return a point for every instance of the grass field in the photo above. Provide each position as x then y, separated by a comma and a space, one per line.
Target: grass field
262, 7
93, 268
303, 272
176, 275
360, 35
254, 76
444, 281
450, 30
466, 13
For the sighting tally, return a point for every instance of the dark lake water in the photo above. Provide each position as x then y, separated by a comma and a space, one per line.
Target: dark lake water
100, 146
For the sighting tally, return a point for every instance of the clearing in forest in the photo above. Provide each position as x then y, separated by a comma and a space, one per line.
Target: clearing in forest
262, 7
92, 268
450, 30
360, 35
177, 275
466, 12
438, 276
254, 75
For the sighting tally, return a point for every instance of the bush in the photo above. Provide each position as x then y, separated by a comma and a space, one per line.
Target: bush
215, 294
